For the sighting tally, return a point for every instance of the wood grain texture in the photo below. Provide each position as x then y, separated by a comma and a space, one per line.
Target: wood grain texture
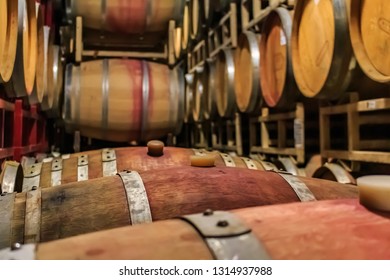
8, 37
100, 204
326, 230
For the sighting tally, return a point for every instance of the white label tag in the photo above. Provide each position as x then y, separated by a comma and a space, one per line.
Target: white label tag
371, 104
283, 40
298, 133
316, 2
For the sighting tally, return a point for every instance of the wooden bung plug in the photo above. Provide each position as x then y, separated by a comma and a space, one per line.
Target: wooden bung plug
155, 148
206, 160
374, 191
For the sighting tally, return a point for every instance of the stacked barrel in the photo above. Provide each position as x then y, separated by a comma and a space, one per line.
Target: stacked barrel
31, 66
60, 197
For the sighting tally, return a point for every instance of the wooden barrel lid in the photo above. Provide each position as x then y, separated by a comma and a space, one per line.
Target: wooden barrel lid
247, 64
186, 29
370, 30
8, 37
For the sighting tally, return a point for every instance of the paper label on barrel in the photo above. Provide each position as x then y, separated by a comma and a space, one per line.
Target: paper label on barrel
316, 2
283, 40
371, 104
298, 133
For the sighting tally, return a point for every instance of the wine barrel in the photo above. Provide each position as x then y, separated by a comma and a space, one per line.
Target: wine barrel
369, 32
185, 34
107, 162
277, 80
196, 18
22, 81
208, 12
37, 94
210, 109
189, 98
334, 172
131, 17
224, 84
55, 82
8, 38
80, 208
246, 80
278, 232
131, 100
199, 101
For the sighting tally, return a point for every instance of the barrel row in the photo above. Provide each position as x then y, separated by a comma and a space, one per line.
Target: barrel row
108, 162
131, 197
215, 235
30, 63
305, 53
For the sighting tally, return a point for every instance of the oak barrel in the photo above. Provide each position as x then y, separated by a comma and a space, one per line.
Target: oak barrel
196, 18
37, 94
22, 81
210, 109
8, 37
107, 162
185, 33
247, 73
131, 16
189, 98
277, 80
123, 100
100, 204
199, 95
224, 83
325, 230
369, 25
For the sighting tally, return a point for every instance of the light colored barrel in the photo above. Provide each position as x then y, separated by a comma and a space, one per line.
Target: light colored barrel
185, 35
8, 37
369, 24
247, 74
196, 18
199, 97
283, 232
23, 77
123, 100
81, 207
224, 83
189, 98
276, 71
131, 16
37, 94
210, 110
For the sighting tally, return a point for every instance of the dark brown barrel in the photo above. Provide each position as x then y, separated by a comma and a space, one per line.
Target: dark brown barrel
22, 81
107, 162
276, 71
369, 31
80, 208
247, 74
224, 83
131, 16
8, 38
285, 232
189, 98
137, 100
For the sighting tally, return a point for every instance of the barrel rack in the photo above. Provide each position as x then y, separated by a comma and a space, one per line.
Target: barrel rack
85, 43
366, 131
222, 134
23, 131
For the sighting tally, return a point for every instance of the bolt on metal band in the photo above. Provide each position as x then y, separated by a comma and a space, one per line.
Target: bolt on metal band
109, 162
32, 176
82, 169
249, 163
228, 160
56, 172
226, 236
